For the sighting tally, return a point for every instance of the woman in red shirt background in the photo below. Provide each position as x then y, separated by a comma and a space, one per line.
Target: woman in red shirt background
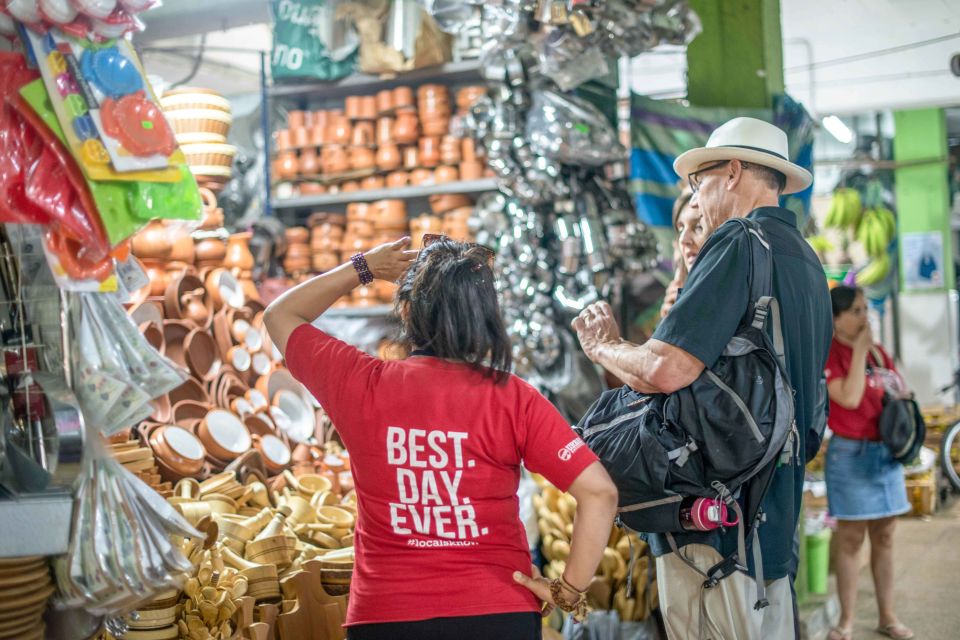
436, 442
865, 485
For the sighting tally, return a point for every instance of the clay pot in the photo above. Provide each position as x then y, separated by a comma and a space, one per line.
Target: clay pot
296, 265
287, 166
362, 158
426, 224
385, 290
421, 177
339, 131
368, 108
443, 203
411, 157
450, 150
468, 149
435, 127
384, 101
360, 228
397, 179
391, 214
365, 297
299, 250
325, 243
297, 235
180, 453
406, 128
351, 107
190, 390
152, 242
301, 137
309, 163
183, 250
202, 354
318, 135
349, 186
334, 159
326, 230
158, 276
429, 151
284, 140
467, 96
402, 97
325, 261
360, 211
384, 133
238, 257
209, 252
471, 170
362, 135
446, 174
371, 183
388, 157
174, 333
459, 215
223, 435
312, 188
295, 120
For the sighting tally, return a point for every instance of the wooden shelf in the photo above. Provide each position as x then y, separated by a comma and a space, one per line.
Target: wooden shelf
465, 187
452, 72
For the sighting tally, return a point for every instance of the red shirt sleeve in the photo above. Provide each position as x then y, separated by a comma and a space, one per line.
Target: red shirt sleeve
835, 367
549, 446
337, 374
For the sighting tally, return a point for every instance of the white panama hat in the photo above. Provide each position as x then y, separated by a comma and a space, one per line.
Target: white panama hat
749, 140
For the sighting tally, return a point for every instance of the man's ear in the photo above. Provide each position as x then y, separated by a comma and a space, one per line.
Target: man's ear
735, 172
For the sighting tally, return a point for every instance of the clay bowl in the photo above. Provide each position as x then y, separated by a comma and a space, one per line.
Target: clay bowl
189, 410
147, 311
174, 334
190, 390
153, 334
178, 452
239, 358
297, 235
161, 409
260, 363
276, 453
224, 289
448, 202
224, 435
202, 354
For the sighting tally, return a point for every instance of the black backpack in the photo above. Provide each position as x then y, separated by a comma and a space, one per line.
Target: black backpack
721, 437
901, 424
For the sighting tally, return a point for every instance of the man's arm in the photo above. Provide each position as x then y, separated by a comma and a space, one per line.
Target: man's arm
653, 367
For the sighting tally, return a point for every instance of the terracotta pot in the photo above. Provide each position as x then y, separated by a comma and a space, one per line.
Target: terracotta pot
297, 235
468, 149
353, 244
432, 92
183, 250
312, 188
450, 150
384, 101
339, 131
429, 151
425, 224
190, 390
223, 435
443, 203
174, 333
320, 217
309, 163
402, 97
390, 213
365, 296
436, 127
360, 211
411, 157
385, 290
335, 159
326, 230
421, 177
388, 157
202, 355
325, 261
299, 250
371, 183
362, 158
457, 231
152, 242
158, 276
323, 244
238, 256
368, 108
350, 186
238, 358
384, 132
301, 137
296, 265
446, 174
459, 215
406, 127
276, 454
363, 134
178, 450
287, 166
397, 179
224, 289
471, 170
467, 96
351, 107
318, 135
284, 140
295, 119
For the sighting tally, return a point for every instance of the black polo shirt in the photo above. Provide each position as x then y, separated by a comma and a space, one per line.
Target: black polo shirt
704, 319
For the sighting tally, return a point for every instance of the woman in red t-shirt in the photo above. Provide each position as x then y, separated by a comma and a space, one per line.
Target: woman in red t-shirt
436, 443
865, 487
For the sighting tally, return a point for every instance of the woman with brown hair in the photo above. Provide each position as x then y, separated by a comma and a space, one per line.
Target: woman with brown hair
436, 442
691, 234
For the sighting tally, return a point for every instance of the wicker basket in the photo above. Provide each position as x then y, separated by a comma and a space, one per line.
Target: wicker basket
200, 121
180, 99
209, 155
200, 138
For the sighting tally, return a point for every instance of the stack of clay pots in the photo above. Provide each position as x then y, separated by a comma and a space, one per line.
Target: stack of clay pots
296, 261
326, 239
201, 120
395, 138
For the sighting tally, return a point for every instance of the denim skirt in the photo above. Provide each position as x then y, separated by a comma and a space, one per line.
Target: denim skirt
864, 482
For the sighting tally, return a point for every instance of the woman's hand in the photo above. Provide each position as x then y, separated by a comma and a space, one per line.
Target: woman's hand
538, 586
864, 340
389, 261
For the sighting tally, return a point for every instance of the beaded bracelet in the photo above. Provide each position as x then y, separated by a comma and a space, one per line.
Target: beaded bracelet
362, 268
577, 609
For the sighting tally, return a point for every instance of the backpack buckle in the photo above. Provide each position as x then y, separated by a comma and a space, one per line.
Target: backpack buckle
760, 313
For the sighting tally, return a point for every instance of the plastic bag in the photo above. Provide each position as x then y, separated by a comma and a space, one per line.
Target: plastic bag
571, 130
300, 51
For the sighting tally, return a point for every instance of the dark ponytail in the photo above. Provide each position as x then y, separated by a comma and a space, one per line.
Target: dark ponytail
452, 309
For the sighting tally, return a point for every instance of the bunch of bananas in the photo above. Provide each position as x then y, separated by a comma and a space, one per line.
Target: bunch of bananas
845, 209
875, 271
608, 589
875, 231
821, 244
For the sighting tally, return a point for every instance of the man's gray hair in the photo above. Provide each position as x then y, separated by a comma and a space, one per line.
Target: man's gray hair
771, 177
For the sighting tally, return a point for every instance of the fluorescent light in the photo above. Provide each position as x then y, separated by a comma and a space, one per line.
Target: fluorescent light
837, 129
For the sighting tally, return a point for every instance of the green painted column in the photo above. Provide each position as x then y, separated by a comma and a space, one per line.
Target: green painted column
737, 61
923, 191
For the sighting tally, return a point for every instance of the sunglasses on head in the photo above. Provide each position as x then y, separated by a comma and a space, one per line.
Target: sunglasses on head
432, 238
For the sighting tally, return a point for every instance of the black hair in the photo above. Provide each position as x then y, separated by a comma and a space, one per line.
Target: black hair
452, 309
842, 298
771, 177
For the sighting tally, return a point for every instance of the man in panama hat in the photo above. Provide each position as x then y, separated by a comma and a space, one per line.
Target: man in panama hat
741, 172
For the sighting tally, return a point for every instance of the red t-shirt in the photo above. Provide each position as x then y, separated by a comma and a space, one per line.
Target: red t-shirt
435, 451
860, 423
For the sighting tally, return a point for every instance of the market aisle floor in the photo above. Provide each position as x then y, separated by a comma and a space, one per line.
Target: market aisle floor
928, 576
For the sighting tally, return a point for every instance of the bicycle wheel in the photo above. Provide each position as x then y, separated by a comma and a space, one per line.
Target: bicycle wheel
950, 454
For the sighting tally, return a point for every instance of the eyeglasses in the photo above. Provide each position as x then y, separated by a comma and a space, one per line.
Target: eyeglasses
694, 178
485, 252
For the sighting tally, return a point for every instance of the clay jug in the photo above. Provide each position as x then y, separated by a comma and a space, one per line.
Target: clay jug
152, 242
239, 258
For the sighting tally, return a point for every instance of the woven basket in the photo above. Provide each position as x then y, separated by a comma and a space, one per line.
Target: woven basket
200, 138
194, 99
209, 155
200, 121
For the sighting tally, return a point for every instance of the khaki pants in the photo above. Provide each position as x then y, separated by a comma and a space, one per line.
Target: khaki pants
729, 605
